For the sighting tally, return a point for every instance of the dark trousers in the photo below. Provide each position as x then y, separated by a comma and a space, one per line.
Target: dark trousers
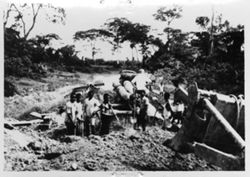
142, 120
105, 127
89, 129
80, 128
70, 128
177, 116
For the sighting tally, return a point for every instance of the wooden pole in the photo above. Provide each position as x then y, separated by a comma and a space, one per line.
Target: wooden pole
227, 127
224, 160
225, 98
122, 112
118, 120
24, 123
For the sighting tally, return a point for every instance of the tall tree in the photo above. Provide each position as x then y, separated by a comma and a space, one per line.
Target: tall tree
168, 15
217, 26
135, 33
118, 27
202, 21
18, 17
91, 36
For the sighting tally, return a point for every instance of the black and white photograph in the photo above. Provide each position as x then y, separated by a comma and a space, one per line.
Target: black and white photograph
124, 86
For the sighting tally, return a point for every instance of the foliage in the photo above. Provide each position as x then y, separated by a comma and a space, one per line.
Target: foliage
136, 34
118, 27
23, 58
202, 21
9, 88
45, 40
91, 36
189, 55
28, 12
168, 14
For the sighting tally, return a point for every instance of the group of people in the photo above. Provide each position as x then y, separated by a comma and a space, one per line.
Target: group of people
82, 117
139, 104
173, 111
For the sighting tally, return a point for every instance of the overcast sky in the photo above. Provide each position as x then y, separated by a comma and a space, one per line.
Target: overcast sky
83, 17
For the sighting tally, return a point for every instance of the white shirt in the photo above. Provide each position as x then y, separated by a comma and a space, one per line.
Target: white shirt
161, 86
140, 80
91, 106
79, 110
70, 109
145, 102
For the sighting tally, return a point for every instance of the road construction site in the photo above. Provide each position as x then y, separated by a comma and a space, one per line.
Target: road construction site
31, 146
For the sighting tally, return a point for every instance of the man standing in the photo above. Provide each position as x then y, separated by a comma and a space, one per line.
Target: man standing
180, 99
134, 104
91, 106
144, 103
141, 80
167, 111
79, 115
70, 119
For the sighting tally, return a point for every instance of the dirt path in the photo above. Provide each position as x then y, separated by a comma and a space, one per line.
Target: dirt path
50, 91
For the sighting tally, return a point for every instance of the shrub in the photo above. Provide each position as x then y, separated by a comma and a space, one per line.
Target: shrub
9, 89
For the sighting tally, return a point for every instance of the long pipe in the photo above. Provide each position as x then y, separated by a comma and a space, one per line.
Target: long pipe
227, 127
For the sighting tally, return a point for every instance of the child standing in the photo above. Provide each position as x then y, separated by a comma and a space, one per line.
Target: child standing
106, 115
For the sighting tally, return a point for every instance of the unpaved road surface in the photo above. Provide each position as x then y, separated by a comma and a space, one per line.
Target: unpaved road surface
29, 148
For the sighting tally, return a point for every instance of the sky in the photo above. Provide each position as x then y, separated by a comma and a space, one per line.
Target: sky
87, 14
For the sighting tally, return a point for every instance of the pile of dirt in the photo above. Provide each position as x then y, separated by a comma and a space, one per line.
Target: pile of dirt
120, 150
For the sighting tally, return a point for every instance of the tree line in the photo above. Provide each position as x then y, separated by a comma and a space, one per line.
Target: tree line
213, 56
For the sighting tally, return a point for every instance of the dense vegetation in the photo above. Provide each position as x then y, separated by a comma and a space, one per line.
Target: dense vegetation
213, 56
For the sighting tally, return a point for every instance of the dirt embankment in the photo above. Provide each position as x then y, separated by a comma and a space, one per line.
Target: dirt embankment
49, 92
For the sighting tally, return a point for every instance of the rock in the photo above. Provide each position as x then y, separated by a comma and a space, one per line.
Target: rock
95, 137
90, 165
70, 139
35, 146
21, 139
52, 155
74, 166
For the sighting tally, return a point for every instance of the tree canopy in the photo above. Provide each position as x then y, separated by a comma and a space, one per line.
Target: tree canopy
91, 36
19, 16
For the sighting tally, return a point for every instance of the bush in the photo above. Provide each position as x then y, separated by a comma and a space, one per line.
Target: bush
17, 66
9, 89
